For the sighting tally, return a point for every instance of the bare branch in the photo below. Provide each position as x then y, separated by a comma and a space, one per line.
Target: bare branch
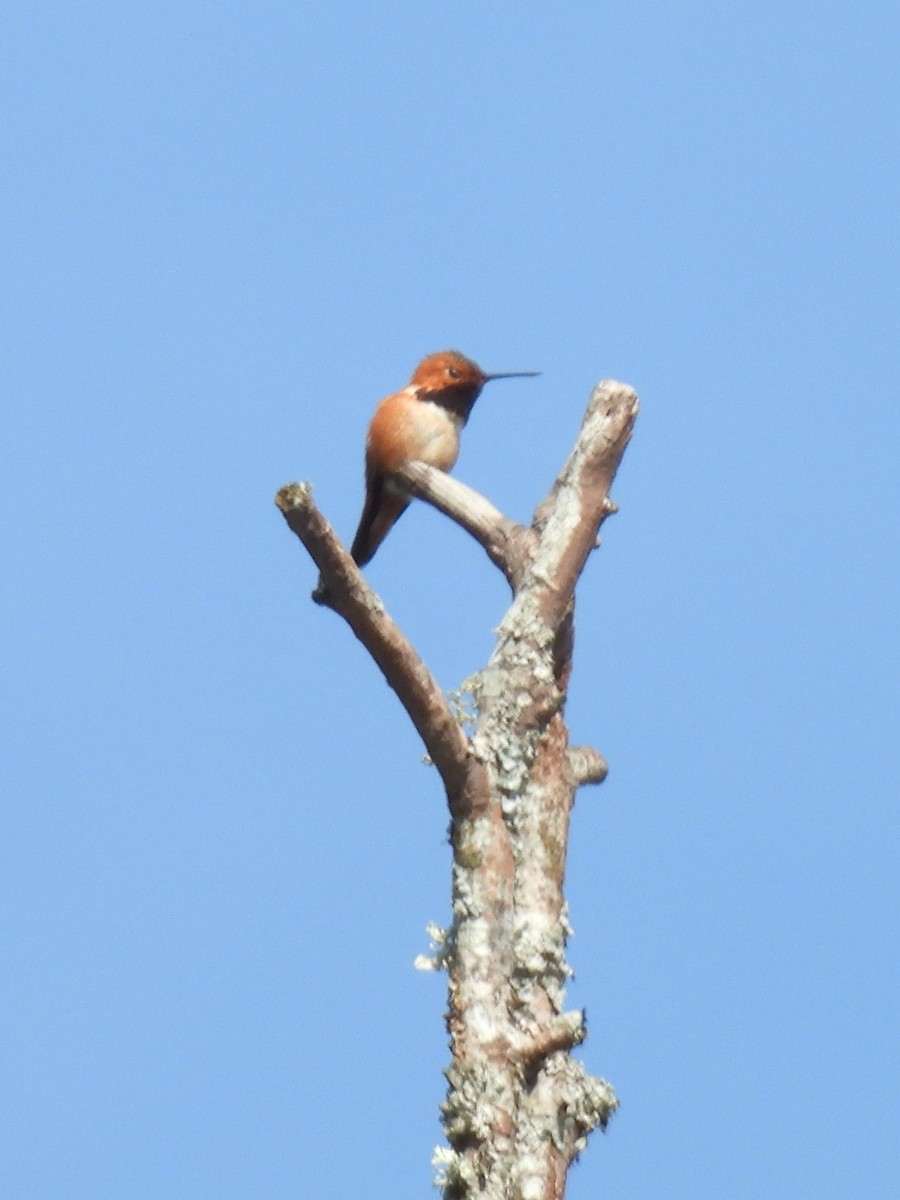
561, 1033
569, 518
343, 588
506, 543
587, 765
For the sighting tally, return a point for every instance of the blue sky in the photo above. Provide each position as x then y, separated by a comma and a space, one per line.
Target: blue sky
227, 231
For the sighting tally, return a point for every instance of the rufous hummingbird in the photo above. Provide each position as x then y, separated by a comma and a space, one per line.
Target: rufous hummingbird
422, 422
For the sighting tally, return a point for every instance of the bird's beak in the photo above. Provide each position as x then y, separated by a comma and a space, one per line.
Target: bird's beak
510, 375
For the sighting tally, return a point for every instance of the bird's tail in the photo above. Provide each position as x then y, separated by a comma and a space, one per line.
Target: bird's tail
381, 512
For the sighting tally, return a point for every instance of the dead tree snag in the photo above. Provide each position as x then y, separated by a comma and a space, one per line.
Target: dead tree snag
519, 1107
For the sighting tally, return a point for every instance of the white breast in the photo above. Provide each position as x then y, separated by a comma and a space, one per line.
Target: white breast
437, 434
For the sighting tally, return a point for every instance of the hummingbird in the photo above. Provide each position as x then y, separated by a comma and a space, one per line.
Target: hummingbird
422, 422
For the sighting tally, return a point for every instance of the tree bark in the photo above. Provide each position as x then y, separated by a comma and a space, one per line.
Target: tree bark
519, 1106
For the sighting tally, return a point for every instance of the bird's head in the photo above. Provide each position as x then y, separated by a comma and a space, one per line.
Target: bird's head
450, 378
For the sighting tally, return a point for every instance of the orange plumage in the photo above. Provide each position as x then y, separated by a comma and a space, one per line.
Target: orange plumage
422, 422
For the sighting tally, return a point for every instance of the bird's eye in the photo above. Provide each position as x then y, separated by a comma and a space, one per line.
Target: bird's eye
453, 373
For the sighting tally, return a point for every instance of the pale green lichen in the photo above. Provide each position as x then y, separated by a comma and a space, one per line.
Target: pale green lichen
464, 703
439, 951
